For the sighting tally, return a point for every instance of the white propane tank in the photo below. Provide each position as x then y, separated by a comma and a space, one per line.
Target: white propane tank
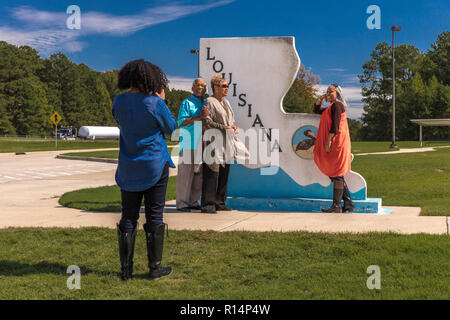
98, 132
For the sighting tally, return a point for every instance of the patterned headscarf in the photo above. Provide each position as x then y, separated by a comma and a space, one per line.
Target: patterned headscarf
340, 95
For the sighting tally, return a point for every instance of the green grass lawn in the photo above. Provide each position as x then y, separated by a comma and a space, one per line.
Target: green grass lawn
108, 154
226, 265
413, 179
383, 146
19, 145
105, 199
409, 179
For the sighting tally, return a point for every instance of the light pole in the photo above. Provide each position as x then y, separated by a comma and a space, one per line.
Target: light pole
197, 52
395, 28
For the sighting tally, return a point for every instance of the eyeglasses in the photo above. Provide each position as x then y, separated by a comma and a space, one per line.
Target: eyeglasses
224, 86
200, 85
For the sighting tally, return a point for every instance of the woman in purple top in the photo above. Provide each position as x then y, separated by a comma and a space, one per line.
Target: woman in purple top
143, 169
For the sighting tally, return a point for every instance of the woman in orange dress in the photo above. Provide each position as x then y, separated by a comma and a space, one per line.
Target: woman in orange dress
332, 151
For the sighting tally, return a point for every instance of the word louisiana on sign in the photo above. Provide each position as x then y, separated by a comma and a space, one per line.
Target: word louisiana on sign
260, 71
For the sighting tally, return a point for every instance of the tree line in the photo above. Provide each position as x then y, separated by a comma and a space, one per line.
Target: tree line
32, 88
422, 91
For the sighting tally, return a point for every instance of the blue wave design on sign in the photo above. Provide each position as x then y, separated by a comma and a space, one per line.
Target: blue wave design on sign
245, 182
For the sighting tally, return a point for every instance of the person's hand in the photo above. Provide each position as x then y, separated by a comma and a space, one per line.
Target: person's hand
229, 128
328, 146
204, 113
235, 128
320, 99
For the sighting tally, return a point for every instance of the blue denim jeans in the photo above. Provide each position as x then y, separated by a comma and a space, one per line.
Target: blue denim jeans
154, 201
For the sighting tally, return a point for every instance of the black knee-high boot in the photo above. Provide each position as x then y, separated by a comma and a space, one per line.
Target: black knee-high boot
126, 252
348, 203
338, 192
155, 246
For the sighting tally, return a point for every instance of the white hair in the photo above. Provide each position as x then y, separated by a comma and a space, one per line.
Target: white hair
340, 96
197, 81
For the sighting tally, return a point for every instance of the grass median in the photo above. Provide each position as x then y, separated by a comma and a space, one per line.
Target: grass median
410, 179
105, 199
226, 265
36, 144
383, 146
107, 154
30, 145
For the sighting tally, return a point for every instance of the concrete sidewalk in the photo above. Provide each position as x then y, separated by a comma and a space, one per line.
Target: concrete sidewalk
47, 212
405, 150
32, 201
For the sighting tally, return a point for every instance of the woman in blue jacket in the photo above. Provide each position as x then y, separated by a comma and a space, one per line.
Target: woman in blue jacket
143, 170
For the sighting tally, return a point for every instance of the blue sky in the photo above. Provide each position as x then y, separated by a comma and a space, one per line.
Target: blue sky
332, 38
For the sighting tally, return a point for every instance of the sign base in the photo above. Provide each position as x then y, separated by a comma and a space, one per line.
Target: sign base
368, 206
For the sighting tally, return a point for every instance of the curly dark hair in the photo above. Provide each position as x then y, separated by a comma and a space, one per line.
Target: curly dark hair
143, 75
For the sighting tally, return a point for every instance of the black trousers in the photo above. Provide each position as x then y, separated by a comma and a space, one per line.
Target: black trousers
214, 187
154, 201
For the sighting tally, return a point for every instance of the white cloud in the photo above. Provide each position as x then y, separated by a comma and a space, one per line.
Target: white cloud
45, 41
33, 17
350, 79
352, 93
336, 69
95, 22
180, 83
47, 32
355, 110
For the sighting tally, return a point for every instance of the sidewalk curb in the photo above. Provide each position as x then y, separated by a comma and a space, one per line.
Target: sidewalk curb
87, 159
404, 150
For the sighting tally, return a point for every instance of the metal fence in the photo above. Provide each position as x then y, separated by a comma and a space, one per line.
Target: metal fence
30, 138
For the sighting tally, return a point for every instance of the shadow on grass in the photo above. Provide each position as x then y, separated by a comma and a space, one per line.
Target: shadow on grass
171, 208
111, 208
99, 206
14, 268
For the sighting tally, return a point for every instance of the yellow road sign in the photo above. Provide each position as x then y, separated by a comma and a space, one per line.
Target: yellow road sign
55, 118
